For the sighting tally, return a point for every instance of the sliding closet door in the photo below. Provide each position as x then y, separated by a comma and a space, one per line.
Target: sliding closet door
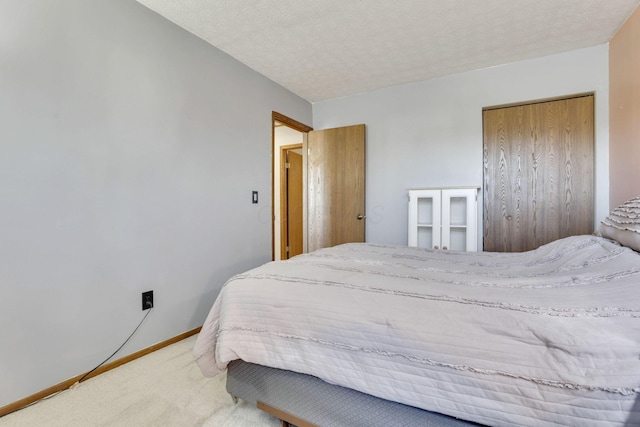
538, 173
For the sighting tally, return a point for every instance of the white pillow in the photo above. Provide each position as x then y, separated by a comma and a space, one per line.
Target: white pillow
623, 224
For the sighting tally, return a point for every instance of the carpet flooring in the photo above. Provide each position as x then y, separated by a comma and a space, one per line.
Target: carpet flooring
164, 388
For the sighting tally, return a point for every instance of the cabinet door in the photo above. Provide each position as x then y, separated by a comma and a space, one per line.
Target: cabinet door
424, 218
459, 219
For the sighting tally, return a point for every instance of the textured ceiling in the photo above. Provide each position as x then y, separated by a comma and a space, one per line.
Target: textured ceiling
325, 49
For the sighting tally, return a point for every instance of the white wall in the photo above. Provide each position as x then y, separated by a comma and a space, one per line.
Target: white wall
429, 134
128, 153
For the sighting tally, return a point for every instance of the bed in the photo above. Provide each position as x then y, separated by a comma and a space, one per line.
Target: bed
540, 338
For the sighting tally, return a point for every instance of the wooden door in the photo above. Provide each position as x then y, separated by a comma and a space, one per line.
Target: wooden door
294, 203
335, 186
538, 173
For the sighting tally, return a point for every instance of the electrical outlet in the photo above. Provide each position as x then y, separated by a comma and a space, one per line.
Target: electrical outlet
147, 300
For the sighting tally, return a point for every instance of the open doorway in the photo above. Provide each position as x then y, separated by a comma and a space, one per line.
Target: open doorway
333, 185
287, 186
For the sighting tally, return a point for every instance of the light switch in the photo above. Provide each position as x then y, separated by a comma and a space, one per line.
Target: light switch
254, 197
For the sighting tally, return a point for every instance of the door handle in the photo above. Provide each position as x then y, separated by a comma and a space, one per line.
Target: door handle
362, 216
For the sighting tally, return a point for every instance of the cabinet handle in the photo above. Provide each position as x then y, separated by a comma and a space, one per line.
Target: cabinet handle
444, 248
509, 217
362, 216
435, 247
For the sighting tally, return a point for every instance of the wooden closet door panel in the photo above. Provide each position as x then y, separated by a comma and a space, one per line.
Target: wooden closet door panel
538, 161
504, 188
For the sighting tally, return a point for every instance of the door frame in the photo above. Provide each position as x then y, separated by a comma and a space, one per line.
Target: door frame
300, 127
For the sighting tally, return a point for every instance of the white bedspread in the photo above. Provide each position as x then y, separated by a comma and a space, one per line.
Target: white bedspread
547, 337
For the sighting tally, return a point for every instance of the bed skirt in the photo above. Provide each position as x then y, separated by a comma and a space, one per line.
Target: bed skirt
323, 404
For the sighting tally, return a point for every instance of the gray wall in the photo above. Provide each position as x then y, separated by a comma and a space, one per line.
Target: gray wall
429, 134
129, 150
128, 153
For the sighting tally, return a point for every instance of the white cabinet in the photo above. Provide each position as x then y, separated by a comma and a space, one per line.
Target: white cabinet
444, 218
